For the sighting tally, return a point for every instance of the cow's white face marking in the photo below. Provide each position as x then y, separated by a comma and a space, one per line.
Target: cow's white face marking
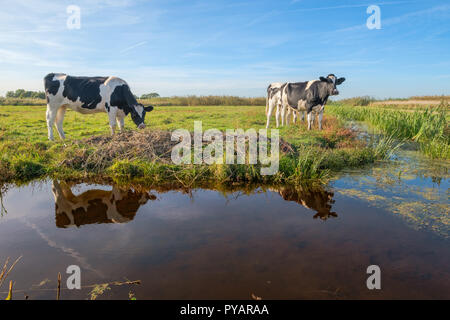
333, 78
139, 110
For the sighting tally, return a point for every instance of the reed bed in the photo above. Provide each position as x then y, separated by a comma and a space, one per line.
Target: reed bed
427, 127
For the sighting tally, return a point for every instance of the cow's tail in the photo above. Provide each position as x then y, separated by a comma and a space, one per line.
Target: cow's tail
267, 100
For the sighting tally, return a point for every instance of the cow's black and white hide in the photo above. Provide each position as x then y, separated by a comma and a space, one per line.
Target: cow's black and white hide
91, 95
95, 205
310, 96
321, 201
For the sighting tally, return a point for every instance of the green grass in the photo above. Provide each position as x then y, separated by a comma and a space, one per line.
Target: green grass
26, 154
428, 127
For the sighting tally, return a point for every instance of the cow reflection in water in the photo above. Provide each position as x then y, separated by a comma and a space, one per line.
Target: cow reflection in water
318, 200
96, 206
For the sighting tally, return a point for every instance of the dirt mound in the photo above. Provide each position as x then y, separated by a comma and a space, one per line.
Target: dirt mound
99, 152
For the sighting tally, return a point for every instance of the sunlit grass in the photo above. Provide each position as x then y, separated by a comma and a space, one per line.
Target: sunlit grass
429, 127
26, 153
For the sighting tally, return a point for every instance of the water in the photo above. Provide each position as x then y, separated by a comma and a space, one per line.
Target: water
273, 243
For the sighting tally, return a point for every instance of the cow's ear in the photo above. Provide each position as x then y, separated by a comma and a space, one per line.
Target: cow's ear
326, 79
339, 81
148, 109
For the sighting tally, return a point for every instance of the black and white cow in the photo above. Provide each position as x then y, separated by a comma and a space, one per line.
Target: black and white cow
310, 96
91, 95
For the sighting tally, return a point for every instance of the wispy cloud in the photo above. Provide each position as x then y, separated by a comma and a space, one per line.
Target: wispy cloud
133, 46
18, 57
360, 5
82, 261
400, 19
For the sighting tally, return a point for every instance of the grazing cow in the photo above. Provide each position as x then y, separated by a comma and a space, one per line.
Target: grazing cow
310, 96
274, 100
96, 206
91, 95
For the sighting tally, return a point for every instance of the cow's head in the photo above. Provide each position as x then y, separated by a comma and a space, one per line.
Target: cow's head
332, 82
138, 114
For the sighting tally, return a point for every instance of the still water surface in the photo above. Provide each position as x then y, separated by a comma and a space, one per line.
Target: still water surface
273, 243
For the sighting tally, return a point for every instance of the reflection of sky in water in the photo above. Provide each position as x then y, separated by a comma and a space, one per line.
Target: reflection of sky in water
210, 244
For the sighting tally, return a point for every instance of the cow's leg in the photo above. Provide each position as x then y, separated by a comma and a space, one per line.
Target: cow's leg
310, 117
121, 123
277, 115
51, 116
283, 114
294, 118
288, 115
303, 115
269, 113
112, 114
59, 121
319, 117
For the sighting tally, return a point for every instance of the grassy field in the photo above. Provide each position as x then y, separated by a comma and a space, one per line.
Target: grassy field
89, 151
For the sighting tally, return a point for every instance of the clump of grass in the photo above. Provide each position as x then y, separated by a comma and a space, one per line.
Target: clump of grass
27, 170
386, 147
308, 166
126, 169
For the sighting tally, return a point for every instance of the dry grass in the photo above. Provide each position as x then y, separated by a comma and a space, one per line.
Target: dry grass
150, 145
6, 271
100, 152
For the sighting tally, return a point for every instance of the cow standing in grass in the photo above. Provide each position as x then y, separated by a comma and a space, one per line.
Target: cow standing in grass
310, 96
273, 101
89, 95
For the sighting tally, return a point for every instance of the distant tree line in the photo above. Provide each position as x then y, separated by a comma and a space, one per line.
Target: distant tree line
24, 97
150, 95
22, 94
204, 101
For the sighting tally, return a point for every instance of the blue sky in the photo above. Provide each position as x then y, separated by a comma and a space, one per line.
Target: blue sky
180, 47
